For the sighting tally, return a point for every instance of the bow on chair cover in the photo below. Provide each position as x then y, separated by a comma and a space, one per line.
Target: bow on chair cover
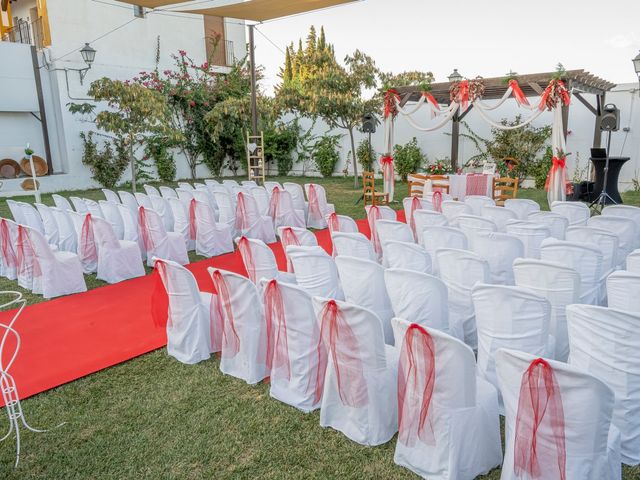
338, 340
160, 298
315, 213
436, 200
373, 216
416, 380
540, 403
277, 342
193, 225
242, 217
147, 239
8, 253
230, 338
28, 264
289, 237
416, 204
333, 222
88, 252
274, 203
247, 257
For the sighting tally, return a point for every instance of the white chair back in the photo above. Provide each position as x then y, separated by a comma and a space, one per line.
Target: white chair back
499, 215
112, 215
623, 291
477, 202
226, 207
184, 186
531, 234
500, 250
130, 201
606, 241
577, 213
452, 208
143, 200
633, 261
161, 206
94, 208
556, 223
212, 238
625, 211
297, 195
473, 223
408, 256
407, 204
353, 245
434, 238
271, 185
624, 228
262, 199
78, 205
316, 271
522, 207
181, 223
370, 294
428, 218
393, 230
560, 285
60, 202
168, 192
151, 190
110, 195
344, 223
259, 260
67, 238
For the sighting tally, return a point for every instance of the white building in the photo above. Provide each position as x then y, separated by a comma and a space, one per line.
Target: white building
125, 39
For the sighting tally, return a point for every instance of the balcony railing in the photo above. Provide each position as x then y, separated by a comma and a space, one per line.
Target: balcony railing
25, 32
229, 53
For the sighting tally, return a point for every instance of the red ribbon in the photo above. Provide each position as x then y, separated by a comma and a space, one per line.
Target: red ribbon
373, 216
88, 251
244, 247
416, 204
160, 298
390, 99
334, 222
436, 200
417, 368
8, 252
289, 237
314, 203
431, 99
558, 167
147, 239
242, 220
230, 338
558, 88
386, 162
540, 402
517, 92
27, 259
338, 340
277, 341
193, 224
463, 94
274, 203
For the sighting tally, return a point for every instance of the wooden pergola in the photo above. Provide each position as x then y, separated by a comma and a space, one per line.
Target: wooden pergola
532, 85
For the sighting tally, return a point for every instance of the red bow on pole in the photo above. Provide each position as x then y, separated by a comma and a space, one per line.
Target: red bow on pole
386, 162
558, 167
390, 106
555, 93
518, 94
431, 99
463, 94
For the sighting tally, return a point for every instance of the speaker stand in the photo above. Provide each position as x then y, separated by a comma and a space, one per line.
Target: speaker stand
601, 201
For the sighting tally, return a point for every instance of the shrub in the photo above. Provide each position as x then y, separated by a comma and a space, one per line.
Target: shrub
325, 154
279, 143
407, 158
366, 155
540, 169
106, 165
157, 149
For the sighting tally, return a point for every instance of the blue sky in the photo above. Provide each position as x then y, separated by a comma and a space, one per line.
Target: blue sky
486, 38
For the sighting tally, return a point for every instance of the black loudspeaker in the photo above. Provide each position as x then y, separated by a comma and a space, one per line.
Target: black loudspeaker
610, 119
368, 123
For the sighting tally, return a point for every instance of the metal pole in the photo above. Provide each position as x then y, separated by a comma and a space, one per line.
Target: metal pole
254, 101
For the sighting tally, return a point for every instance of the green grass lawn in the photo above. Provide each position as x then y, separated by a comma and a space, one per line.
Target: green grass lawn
153, 417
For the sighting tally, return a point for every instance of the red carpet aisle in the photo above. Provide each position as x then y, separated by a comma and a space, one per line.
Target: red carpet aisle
70, 337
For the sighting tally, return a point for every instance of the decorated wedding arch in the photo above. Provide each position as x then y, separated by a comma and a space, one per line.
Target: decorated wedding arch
451, 101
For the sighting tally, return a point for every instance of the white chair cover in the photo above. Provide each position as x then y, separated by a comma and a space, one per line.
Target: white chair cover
428, 308
226, 208
193, 316
260, 262
248, 183
461, 270
212, 238
181, 222
522, 207
297, 197
236, 189
462, 415
477, 202
318, 207
168, 192
408, 256
185, 195
31, 218
499, 215
297, 237
606, 241
211, 182
132, 228
624, 228
427, 218
353, 245
45, 272
604, 342
184, 186
531, 234
471, 223
316, 271
202, 193
51, 232
364, 285
623, 291
407, 206
341, 223
60, 202
393, 230
111, 196
560, 285
94, 208
586, 259
67, 237
364, 407
151, 190
262, 199
633, 261
500, 250
294, 339
427, 195
78, 205
130, 201
158, 242
118, 260
625, 211
16, 211
589, 448
434, 238
249, 222
282, 211
374, 214
269, 186
89, 263
162, 208
9, 248
510, 317
576, 212
244, 345
556, 223
113, 216
452, 208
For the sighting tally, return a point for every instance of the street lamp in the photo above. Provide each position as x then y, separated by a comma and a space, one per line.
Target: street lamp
636, 65
455, 76
88, 55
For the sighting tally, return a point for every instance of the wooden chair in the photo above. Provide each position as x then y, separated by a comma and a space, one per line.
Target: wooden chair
415, 182
369, 190
504, 188
439, 182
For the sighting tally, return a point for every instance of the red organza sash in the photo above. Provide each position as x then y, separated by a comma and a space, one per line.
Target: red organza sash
230, 338
436, 200
416, 204
8, 252
289, 237
277, 342
518, 94
274, 203
373, 216
333, 222
242, 216
539, 409
147, 238
314, 203
88, 251
416, 381
193, 224
28, 264
160, 307
558, 167
244, 246
338, 340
